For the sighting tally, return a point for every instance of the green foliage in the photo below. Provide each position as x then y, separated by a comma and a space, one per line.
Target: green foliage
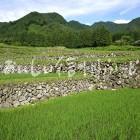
51, 29
101, 37
85, 37
118, 30
126, 39
77, 25
137, 43
102, 115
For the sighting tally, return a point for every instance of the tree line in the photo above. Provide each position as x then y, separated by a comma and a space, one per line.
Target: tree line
67, 37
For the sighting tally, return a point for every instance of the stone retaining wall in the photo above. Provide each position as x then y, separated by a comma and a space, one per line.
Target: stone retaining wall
104, 76
20, 94
89, 67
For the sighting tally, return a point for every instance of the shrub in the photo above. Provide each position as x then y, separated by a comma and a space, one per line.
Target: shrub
136, 43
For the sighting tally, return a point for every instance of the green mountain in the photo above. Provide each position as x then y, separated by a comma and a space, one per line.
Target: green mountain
115, 28
134, 25
112, 27
77, 25
3, 23
40, 23
34, 18
118, 30
135, 22
51, 29
41, 19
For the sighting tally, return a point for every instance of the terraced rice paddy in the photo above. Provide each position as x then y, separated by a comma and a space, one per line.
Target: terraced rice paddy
96, 115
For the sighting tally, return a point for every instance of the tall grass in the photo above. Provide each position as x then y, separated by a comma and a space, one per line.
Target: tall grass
96, 115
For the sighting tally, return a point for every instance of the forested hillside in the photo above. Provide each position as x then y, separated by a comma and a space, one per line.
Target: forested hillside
51, 29
118, 30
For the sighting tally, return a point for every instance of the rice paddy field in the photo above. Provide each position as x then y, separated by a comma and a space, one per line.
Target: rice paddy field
25, 55
23, 78
91, 115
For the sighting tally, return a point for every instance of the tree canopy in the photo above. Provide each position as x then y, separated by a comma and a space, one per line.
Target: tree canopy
51, 29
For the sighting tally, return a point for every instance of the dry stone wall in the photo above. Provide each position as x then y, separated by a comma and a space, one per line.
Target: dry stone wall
101, 76
20, 94
89, 67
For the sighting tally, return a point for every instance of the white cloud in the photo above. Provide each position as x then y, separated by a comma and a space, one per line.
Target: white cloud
125, 11
81, 7
131, 5
12, 10
121, 21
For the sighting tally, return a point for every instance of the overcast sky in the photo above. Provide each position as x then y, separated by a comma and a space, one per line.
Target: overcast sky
85, 11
